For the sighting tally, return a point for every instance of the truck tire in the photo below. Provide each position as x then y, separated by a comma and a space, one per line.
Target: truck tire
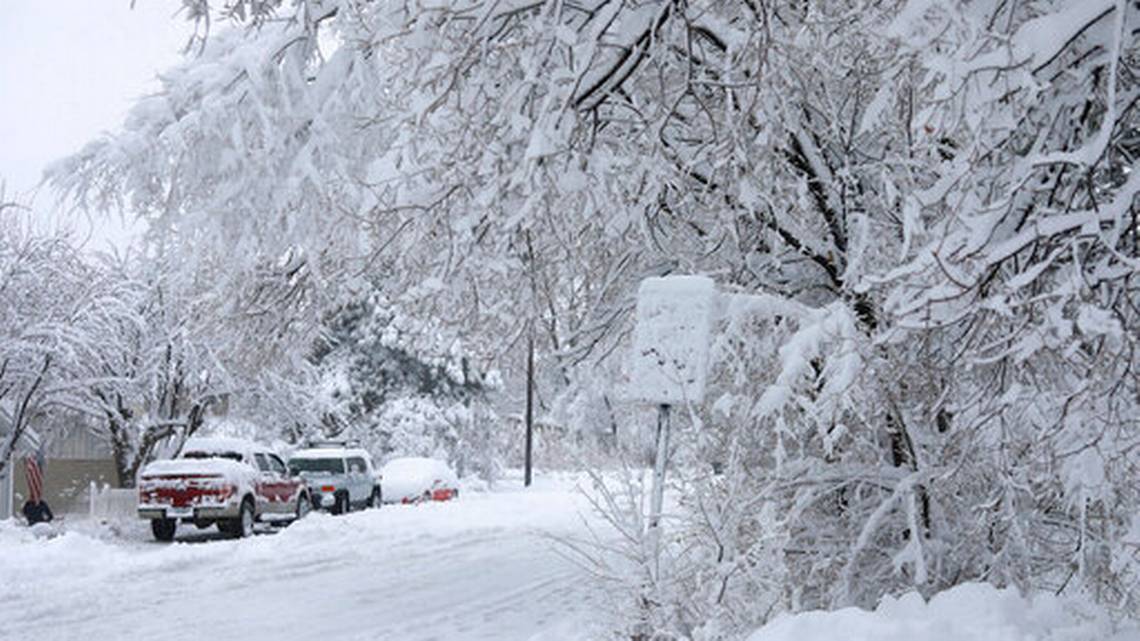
242, 526
245, 519
304, 506
163, 529
375, 499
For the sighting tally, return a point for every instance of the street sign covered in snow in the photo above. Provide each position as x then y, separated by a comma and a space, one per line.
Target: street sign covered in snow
671, 339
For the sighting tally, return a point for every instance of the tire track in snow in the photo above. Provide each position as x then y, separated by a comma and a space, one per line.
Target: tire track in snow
535, 587
478, 619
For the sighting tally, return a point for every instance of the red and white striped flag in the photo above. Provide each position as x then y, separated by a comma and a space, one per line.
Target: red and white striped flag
33, 472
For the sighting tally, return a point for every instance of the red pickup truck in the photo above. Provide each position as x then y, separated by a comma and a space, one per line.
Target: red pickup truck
229, 482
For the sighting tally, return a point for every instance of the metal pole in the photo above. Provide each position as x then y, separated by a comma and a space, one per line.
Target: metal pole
529, 407
658, 497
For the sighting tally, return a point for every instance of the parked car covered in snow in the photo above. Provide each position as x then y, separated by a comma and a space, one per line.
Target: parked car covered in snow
229, 482
340, 478
415, 479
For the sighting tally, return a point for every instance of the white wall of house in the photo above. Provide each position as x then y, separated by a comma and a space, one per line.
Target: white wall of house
76, 443
74, 457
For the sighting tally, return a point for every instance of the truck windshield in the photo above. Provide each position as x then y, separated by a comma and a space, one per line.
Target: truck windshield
316, 466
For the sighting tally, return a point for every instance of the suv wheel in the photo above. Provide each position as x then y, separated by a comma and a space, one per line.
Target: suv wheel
375, 499
343, 505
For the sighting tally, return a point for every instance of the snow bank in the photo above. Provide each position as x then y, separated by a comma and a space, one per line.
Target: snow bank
970, 612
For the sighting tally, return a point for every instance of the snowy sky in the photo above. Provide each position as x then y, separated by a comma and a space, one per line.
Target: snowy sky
69, 70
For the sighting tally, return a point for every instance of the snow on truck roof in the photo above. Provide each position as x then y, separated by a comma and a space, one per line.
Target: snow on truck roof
221, 467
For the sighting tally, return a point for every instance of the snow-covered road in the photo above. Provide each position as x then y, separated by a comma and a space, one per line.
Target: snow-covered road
482, 567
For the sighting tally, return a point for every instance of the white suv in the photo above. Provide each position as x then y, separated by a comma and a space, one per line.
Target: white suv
340, 478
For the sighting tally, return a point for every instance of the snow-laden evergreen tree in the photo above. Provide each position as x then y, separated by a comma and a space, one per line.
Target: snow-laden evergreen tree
400, 388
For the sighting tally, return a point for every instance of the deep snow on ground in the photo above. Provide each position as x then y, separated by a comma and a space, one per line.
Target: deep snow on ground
969, 612
482, 567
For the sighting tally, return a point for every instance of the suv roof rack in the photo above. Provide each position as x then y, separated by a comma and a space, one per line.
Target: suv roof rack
330, 442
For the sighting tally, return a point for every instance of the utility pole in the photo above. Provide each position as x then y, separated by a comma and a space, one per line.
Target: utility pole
529, 405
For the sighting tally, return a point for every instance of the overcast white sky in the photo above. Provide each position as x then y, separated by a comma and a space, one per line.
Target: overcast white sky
69, 70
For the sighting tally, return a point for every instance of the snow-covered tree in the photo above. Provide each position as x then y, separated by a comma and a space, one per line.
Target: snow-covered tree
987, 431
159, 374
937, 199
1023, 280
55, 312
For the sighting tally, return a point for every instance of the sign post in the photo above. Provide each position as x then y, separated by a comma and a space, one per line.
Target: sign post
670, 358
658, 497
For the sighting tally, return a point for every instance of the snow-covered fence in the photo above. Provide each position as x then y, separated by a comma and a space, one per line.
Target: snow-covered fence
108, 502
